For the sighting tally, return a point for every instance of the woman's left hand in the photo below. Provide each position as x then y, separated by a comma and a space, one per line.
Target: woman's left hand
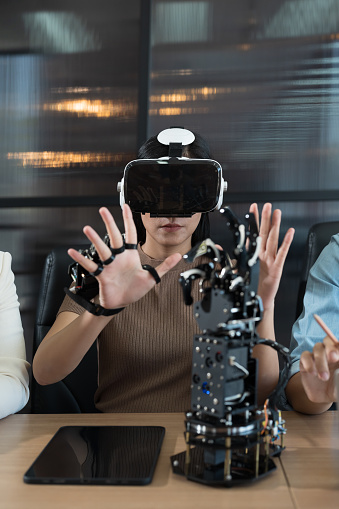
271, 256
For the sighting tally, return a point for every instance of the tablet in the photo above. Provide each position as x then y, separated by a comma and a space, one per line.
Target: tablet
122, 455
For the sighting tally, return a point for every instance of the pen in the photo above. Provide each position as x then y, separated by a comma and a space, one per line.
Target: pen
325, 328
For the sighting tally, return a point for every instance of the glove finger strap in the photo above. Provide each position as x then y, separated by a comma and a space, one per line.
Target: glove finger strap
153, 272
109, 260
98, 270
118, 250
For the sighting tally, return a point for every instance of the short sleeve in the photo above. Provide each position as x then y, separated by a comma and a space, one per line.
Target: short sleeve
70, 305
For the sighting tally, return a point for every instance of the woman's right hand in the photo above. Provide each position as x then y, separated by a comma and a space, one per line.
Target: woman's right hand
124, 280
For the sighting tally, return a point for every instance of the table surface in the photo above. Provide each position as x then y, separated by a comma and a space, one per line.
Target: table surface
307, 474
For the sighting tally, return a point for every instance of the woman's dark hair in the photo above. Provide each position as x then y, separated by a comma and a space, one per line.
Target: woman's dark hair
153, 149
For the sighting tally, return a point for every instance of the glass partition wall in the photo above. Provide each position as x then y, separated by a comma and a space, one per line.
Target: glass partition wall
83, 84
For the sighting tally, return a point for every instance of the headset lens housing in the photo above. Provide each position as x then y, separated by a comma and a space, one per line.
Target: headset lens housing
175, 187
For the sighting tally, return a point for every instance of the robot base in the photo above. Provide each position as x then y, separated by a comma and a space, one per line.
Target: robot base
243, 468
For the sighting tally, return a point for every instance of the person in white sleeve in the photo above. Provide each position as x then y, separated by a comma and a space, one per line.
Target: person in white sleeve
14, 379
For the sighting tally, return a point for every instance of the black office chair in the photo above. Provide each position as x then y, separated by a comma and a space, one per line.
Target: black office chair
74, 394
318, 237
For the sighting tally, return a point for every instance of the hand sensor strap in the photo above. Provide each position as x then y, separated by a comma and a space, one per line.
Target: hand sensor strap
95, 309
153, 272
131, 246
111, 259
99, 268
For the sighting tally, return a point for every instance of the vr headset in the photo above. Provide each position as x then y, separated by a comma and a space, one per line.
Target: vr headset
173, 185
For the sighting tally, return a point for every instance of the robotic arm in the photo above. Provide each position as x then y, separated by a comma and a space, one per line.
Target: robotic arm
229, 438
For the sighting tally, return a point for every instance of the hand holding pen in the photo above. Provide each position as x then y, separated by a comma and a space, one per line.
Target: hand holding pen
317, 368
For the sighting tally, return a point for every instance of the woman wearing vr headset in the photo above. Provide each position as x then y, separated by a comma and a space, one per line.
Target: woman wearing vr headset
145, 351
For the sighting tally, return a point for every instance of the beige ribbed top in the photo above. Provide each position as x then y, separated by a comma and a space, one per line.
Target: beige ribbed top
145, 352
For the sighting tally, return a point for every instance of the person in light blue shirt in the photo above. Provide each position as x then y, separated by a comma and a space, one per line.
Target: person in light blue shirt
311, 387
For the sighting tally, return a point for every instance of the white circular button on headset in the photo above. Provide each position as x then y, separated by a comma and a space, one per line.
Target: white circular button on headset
176, 135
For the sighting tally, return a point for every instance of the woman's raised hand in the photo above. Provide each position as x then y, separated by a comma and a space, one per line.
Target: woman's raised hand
124, 280
271, 256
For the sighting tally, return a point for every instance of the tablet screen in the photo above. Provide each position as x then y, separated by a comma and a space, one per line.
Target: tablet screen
98, 455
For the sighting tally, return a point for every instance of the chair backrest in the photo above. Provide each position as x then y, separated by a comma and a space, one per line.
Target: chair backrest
318, 237
75, 393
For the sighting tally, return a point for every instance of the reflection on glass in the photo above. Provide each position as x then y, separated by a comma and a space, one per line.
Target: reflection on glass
60, 32
67, 159
180, 22
262, 89
94, 108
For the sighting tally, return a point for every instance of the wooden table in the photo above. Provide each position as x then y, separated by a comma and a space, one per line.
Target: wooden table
307, 474
311, 459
